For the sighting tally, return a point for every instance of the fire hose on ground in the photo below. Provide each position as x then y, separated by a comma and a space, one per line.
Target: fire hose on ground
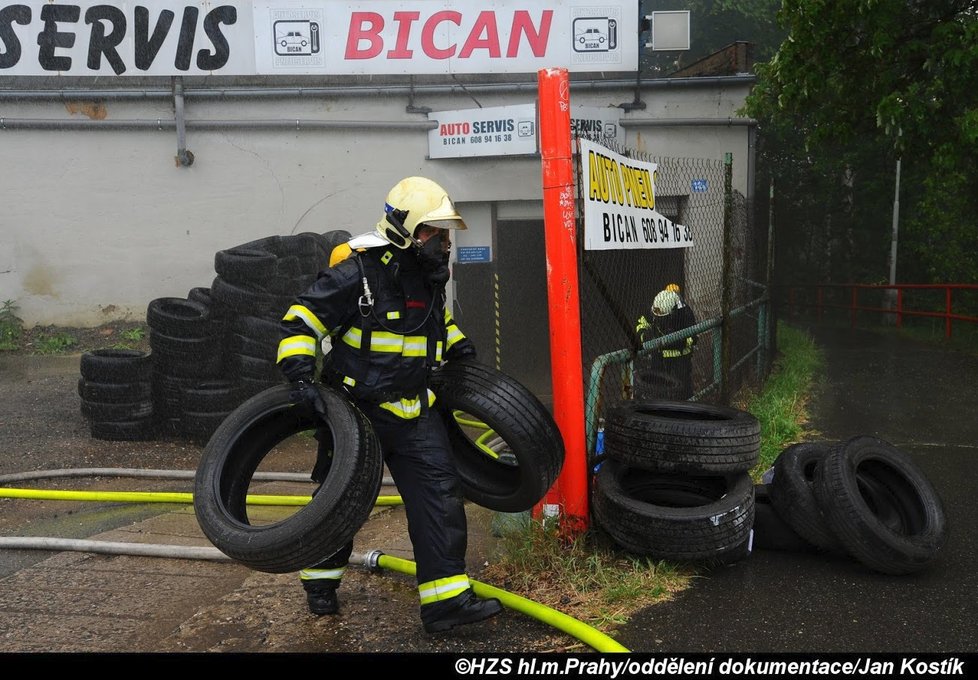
374, 559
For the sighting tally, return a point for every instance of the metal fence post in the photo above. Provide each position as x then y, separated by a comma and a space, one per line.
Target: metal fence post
727, 292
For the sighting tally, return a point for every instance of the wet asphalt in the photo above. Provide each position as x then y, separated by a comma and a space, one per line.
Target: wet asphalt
920, 398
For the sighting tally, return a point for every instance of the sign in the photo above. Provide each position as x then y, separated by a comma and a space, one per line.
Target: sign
512, 130
493, 131
318, 37
619, 204
698, 185
470, 254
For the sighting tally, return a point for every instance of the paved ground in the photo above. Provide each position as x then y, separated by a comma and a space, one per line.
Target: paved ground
915, 396
919, 398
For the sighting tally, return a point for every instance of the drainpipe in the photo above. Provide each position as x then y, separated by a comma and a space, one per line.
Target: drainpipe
184, 158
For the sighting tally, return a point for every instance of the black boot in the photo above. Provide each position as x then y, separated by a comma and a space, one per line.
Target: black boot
439, 617
321, 598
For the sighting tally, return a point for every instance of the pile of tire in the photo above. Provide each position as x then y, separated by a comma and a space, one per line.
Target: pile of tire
862, 497
116, 397
674, 484
217, 347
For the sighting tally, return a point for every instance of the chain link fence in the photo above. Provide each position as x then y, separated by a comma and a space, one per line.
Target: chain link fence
723, 277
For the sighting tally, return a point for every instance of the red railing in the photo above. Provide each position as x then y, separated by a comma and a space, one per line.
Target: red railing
896, 305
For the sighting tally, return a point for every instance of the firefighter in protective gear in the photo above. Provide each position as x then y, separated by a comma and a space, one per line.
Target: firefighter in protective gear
667, 373
382, 303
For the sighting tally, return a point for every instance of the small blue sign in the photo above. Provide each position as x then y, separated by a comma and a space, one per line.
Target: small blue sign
470, 254
698, 185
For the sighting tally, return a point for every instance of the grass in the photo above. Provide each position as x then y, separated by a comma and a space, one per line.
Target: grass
582, 577
55, 344
781, 406
591, 579
130, 338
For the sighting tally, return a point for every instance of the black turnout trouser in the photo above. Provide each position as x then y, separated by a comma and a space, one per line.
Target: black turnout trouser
419, 457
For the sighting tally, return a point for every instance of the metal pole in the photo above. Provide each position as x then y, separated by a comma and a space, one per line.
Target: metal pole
727, 292
896, 223
560, 236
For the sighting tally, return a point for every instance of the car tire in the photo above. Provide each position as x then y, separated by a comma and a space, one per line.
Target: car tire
679, 517
516, 415
901, 544
331, 518
682, 436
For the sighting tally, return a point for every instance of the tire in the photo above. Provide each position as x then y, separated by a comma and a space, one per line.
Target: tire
536, 449
244, 265
116, 393
793, 495
891, 544
676, 517
116, 365
99, 411
771, 532
239, 299
208, 396
130, 430
178, 317
317, 530
682, 436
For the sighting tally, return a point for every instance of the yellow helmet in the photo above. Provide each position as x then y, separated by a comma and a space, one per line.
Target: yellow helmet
673, 287
413, 202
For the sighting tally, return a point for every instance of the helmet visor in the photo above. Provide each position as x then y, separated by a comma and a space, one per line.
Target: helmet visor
444, 216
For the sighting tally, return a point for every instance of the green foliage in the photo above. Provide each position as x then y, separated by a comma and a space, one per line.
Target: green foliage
781, 406
134, 334
131, 338
852, 89
55, 344
11, 326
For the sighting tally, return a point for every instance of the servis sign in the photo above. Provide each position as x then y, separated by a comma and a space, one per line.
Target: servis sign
327, 37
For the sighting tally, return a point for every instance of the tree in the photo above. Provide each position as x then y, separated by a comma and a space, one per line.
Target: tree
856, 86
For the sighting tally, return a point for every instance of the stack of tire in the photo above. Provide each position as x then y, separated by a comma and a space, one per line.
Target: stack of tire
116, 397
214, 349
674, 484
863, 498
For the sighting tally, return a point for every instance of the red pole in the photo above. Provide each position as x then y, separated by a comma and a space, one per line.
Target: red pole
569, 496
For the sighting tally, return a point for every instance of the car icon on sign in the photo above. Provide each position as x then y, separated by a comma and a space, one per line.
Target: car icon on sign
293, 38
591, 35
296, 38
595, 34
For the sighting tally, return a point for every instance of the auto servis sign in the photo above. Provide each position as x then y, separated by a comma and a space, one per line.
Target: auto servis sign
327, 37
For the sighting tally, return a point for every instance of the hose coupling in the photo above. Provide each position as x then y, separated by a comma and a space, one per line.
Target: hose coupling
371, 559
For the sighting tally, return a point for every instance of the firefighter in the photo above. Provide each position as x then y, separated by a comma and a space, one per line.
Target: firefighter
382, 303
667, 373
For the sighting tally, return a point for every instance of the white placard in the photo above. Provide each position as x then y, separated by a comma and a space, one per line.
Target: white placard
324, 37
492, 131
512, 130
619, 204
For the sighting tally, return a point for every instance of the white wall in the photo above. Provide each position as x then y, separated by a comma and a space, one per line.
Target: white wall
96, 223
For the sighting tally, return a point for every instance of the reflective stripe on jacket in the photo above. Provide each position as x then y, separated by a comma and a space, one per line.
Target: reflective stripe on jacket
381, 352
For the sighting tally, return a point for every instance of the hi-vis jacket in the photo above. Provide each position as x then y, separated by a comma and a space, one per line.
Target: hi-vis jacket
657, 326
387, 334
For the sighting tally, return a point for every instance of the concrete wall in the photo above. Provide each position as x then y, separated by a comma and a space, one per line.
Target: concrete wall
96, 223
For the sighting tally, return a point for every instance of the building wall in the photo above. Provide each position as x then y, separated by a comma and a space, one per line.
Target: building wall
98, 222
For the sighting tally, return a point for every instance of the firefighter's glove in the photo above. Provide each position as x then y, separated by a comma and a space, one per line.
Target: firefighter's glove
306, 393
434, 262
